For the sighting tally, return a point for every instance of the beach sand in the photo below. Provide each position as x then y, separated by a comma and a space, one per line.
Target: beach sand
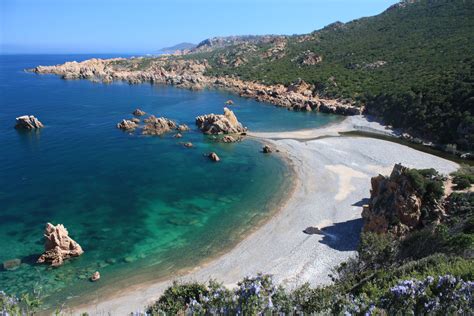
332, 177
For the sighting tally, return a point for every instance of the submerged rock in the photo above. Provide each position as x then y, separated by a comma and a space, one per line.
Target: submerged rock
138, 112
58, 245
188, 145
178, 135
213, 156
127, 125
220, 124
28, 122
229, 102
11, 264
158, 126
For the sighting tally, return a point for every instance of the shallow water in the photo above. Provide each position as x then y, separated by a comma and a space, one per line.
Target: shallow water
136, 204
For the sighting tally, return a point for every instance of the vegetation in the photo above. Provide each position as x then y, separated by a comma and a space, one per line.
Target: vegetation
464, 177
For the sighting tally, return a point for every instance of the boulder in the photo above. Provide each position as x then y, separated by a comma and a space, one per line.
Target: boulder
267, 149
229, 139
127, 125
11, 264
213, 156
220, 124
183, 128
177, 135
28, 122
229, 102
188, 145
158, 126
138, 112
95, 276
135, 120
311, 230
58, 246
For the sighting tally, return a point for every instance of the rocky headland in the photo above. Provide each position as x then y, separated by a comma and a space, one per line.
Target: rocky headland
191, 74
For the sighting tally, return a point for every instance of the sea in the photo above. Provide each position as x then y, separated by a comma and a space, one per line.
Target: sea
143, 208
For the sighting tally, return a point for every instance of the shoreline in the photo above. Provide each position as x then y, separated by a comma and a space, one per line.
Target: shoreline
332, 177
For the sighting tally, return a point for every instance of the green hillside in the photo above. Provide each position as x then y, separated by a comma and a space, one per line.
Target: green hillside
411, 65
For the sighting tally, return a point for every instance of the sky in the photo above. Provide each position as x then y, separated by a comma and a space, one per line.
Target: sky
145, 26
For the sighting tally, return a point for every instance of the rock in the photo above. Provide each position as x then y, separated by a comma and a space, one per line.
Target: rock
28, 122
95, 276
229, 102
220, 124
158, 126
11, 264
138, 112
183, 128
267, 149
312, 230
228, 139
213, 156
127, 125
58, 245
177, 135
188, 145
111, 261
135, 120
395, 205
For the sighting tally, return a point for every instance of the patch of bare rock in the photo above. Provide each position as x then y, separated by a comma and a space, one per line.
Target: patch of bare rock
58, 246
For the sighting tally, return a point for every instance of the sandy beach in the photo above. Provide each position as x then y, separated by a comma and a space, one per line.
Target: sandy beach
332, 176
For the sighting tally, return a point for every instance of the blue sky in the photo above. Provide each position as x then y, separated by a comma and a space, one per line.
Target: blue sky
144, 26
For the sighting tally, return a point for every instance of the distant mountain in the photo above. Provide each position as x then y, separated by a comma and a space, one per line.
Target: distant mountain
180, 46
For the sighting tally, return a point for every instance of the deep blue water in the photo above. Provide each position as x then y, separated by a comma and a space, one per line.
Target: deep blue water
141, 207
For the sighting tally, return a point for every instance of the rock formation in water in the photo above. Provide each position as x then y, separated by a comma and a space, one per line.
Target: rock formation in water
127, 125
178, 135
267, 149
95, 277
213, 156
183, 128
138, 112
28, 122
58, 246
188, 145
397, 206
229, 102
226, 123
158, 126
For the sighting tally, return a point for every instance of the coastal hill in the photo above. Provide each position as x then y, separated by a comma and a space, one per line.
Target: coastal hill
411, 66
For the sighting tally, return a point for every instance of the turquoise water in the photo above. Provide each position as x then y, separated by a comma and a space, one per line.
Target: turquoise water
141, 207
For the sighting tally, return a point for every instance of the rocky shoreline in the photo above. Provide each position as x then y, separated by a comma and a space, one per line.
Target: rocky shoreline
190, 74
